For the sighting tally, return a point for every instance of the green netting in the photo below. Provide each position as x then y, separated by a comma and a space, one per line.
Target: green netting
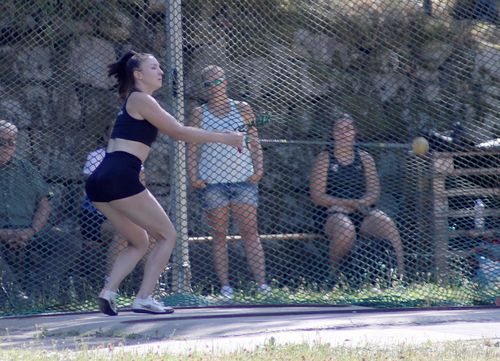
420, 229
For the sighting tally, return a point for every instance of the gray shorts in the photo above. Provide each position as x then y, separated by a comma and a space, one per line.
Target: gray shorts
223, 194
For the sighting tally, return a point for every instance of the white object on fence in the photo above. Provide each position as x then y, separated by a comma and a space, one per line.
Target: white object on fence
479, 214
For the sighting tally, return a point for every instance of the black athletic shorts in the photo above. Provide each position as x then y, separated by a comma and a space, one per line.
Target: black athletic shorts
115, 178
322, 215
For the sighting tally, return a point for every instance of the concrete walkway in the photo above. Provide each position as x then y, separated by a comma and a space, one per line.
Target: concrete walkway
237, 328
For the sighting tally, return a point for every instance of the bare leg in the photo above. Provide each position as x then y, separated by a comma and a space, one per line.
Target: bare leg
132, 217
245, 217
218, 221
127, 259
342, 234
379, 225
117, 244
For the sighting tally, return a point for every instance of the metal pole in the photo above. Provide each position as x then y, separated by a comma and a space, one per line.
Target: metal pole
181, 267
427, 7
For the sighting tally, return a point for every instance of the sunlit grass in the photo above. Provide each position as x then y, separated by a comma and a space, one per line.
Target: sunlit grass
371, 294
397, 294
484, 350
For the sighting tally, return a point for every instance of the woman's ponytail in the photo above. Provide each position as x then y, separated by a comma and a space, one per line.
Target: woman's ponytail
123, 70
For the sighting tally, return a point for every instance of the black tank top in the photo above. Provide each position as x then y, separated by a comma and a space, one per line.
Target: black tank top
127, 127
346, 181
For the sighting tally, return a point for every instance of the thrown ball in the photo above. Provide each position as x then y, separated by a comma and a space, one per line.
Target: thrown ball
420, 146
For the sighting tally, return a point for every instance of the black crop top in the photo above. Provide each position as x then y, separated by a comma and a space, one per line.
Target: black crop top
127, 127
346, 181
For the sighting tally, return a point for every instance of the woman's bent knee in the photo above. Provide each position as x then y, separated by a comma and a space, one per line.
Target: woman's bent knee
339, 224
142, 245
165, 235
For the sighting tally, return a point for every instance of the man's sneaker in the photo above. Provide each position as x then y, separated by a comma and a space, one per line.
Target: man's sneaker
107, 303
265, 289
149, 305
227, 292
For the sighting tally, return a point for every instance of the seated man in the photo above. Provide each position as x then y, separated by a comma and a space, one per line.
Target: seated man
344, 181
38, 255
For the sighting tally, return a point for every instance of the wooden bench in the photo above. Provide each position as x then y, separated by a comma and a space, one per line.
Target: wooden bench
444, 166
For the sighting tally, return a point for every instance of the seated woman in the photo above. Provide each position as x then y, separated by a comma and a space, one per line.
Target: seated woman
344, 181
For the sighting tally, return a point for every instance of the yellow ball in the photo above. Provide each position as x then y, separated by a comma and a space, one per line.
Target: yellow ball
420, 146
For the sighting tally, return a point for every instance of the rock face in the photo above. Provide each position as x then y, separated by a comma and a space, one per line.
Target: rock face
89, 59
33, 64
393, 74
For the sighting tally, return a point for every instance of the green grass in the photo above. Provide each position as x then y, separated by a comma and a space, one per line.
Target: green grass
484, 350
424, 294
421, 294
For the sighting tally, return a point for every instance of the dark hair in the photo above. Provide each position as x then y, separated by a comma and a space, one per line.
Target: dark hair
123, 70
342, 116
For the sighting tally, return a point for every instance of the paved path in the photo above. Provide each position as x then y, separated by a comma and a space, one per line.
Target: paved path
237, 328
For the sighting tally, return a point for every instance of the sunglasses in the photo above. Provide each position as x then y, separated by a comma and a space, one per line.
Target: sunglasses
213, 83
7, 142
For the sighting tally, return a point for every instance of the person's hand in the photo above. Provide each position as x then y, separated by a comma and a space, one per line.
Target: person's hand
365, 210
18, 238
340, 209
27, 233
15, 243
363, 206
363, 203
235, 139
199, 183
256, 177
249, 139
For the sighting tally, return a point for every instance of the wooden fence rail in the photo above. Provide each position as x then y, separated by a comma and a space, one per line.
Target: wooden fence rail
444, 167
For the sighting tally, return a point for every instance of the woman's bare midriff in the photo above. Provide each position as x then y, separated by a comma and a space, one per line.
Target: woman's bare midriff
140, 150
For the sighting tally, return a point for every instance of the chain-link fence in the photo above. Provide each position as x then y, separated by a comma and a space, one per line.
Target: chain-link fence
331, 200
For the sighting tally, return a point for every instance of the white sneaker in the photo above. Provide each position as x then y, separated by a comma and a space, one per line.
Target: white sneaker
265, 289
150, 305
107, 302
227, 292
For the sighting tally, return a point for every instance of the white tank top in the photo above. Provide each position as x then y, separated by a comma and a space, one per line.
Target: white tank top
221, 163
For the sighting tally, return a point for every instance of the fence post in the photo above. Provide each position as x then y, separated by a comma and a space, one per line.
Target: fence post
181, 267
427, 7
441, 166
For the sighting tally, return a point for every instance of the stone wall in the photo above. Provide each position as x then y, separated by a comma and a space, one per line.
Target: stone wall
396, 74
